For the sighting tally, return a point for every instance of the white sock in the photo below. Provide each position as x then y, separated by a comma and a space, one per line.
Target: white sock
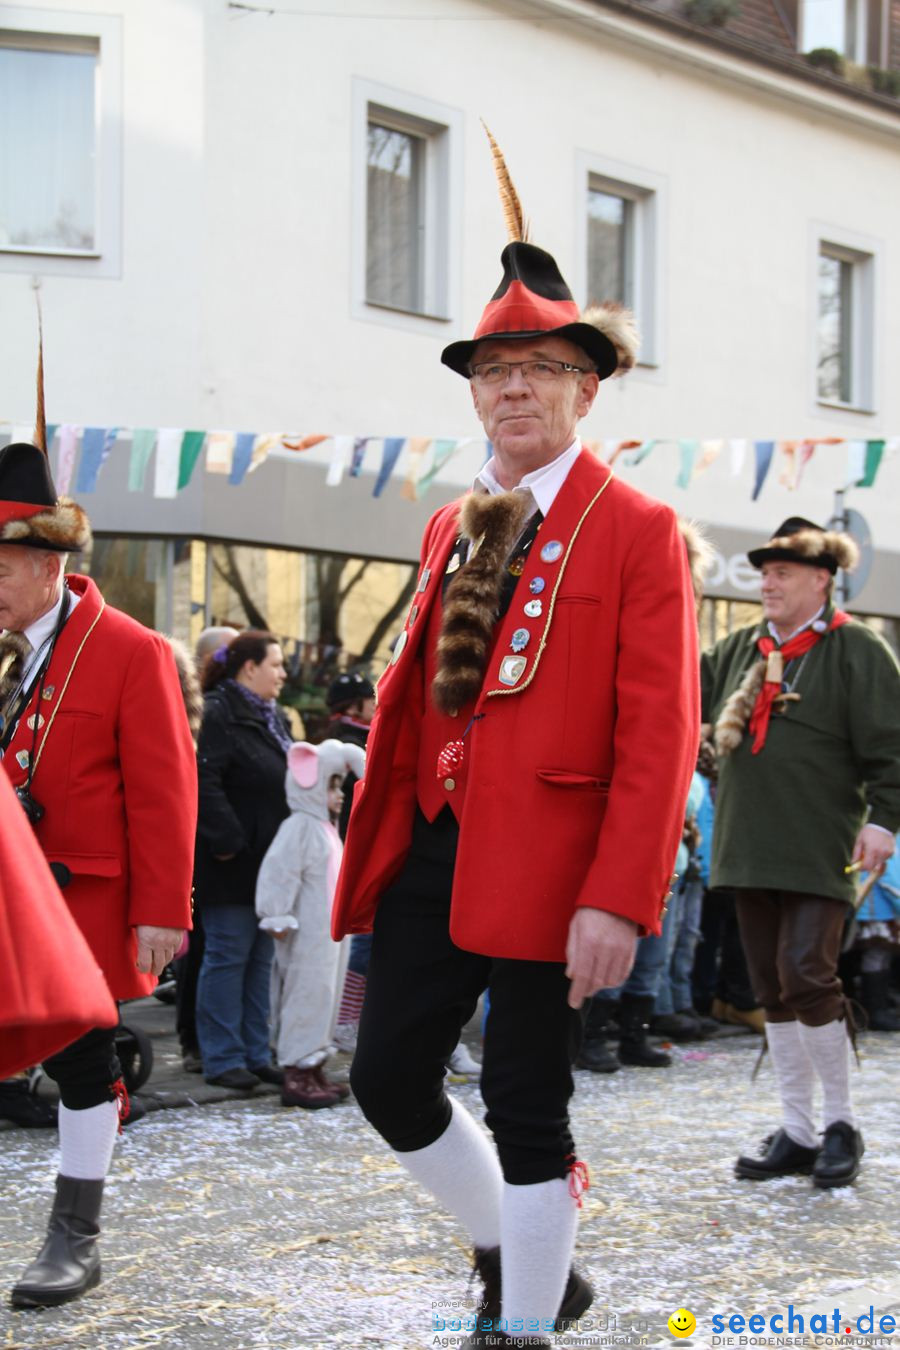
86, 1140
462, 1172
537, 1242
829, 1049
795, 1078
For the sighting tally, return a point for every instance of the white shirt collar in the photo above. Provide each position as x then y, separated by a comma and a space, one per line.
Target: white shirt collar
810, 623
543, 484
44, 627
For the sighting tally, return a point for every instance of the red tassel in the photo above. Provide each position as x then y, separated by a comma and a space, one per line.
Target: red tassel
579, 1178
120, 1096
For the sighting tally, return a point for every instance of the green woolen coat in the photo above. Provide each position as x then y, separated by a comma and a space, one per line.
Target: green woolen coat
788, 817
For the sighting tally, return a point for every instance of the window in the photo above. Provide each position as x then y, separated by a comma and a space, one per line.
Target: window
845, 297
407, 183
60, 136
619, 241
842, 25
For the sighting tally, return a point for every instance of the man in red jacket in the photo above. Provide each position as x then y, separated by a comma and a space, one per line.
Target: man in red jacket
527, 772
95, 742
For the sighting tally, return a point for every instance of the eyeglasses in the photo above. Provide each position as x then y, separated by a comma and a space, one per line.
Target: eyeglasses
539, 372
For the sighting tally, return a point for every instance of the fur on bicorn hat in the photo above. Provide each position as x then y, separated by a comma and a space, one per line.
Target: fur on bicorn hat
800, 541
533, 301
30, 511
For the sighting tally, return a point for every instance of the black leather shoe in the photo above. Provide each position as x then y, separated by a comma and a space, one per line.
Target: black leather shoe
241, 1079
838, 1162
268, 1073
576, 1299
24, 1107
68, 1264
781, 1157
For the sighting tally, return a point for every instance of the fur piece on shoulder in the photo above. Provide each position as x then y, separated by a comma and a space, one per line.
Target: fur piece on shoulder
735, 714
617, 324
64, 528
14, 652
700, 554
816, 543
472, 602
190, 685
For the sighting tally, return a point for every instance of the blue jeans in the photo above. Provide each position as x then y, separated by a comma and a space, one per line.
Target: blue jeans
649, 965
676, 992
233, 990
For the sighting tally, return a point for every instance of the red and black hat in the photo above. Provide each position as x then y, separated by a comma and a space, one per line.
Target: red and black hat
800, 541
30, 511
533, 301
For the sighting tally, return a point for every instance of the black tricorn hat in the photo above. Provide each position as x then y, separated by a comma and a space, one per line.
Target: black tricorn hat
800, 541
30, 511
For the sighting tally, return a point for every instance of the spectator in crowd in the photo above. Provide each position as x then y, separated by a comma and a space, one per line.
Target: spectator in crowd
294, 893
877, 943
242, 752
806, 709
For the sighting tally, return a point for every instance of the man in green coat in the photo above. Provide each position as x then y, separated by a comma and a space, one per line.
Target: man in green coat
806, 711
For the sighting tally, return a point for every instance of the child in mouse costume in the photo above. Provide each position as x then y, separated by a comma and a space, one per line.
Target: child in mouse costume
294, 892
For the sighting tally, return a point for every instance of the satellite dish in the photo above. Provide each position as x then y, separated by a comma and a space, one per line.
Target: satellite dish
852, 523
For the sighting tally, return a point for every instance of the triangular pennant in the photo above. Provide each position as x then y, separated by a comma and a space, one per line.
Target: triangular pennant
168, 459
390, 453
95, 447
65, 464
191, 448
240, 460
763, 450
219, 451
688, 451
143, 440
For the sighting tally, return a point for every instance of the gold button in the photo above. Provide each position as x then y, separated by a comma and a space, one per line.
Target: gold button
449, 784
454, 712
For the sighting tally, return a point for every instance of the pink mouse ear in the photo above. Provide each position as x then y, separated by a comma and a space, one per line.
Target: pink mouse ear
303, 762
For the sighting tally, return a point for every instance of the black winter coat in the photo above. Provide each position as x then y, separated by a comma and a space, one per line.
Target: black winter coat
241, 770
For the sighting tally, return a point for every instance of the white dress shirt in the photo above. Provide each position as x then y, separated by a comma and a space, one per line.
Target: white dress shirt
543, 484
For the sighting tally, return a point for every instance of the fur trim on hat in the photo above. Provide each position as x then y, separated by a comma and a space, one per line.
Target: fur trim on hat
700, 554
64, 528
190, 685
732, 722
815, 543
472, 602
617, 325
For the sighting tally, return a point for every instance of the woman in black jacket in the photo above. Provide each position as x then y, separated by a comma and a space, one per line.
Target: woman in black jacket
242, 762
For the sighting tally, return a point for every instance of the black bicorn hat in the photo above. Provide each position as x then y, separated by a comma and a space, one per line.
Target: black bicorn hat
801, 541
347, 688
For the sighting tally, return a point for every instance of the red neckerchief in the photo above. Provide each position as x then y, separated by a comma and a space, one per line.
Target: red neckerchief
776, 659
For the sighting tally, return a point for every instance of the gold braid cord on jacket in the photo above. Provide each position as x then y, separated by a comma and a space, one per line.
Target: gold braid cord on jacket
472, 601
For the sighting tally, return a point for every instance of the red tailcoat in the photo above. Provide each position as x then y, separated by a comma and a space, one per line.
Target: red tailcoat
116, 774
52, 991
578, 771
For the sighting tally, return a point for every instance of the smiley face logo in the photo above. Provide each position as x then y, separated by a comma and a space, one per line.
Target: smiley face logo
682, 1323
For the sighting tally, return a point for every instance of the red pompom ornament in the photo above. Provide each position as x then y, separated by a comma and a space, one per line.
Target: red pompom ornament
450, 760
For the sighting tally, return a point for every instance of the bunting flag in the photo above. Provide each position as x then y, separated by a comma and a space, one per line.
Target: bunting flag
856, 463
302, 442
261, 447
191, 449
240, 460
787, 476
358, 455
709, 453
65, 464
804, 455
220, 451
738, 455
340, 455
96, 444
687, 451
390, 453
641, 453
874, 453
442, 454
168, 459
52, 429
143, 440
763, 450
417, 447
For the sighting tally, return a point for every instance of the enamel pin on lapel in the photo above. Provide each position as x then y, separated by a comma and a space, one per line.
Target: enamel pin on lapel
536, 585
453, 564
424, 579
534, 609
552, 551
520, 639
398, 647
512, 668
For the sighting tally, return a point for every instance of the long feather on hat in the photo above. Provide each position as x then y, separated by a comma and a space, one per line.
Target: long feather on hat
516, 224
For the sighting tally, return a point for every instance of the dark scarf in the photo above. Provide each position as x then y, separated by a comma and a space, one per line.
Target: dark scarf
267, 708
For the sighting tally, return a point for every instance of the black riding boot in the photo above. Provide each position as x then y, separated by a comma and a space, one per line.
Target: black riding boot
595, 1053
635, 1012
68, 1263
873, 995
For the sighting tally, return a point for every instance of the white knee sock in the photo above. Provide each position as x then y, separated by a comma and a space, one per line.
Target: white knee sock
462, 1172
795, 1078
829, 1049
537, 1240
86, 1140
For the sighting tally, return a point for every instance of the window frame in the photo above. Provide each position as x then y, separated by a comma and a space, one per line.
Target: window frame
864, 255
648, 193
105, 258
440, 127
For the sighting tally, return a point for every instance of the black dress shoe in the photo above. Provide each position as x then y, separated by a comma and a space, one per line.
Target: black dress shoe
268, 1073
241, 1079
781, 1157
838, 1162
24, 1107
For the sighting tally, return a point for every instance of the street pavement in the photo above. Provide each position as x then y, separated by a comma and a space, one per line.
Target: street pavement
233, 1223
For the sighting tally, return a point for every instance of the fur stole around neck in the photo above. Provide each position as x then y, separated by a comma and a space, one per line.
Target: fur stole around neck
472, 601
